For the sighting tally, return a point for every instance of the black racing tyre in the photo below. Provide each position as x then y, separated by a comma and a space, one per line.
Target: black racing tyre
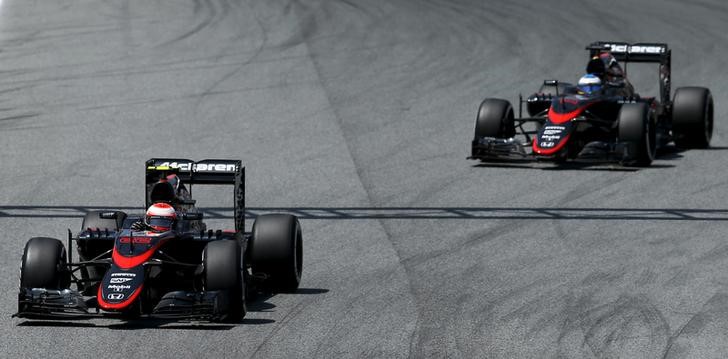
223, 271
495, 119
44, 264
276, 250
637, 132
692, 117
93, 221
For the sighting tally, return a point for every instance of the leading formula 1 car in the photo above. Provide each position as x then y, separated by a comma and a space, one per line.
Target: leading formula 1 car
614, 123
188, 271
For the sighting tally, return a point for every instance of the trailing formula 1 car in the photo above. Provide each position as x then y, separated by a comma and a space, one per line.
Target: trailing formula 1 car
601, 118
167, 265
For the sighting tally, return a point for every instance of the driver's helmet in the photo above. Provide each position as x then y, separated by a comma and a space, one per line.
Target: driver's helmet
160, 217
589, 84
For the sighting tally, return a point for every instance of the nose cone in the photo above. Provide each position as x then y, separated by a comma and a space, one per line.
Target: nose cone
551, 138
120, 287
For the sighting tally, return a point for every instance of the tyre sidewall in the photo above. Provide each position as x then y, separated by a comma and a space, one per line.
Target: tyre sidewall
276, 251
495, 119
44, 264
637, 132
223, 271
692, 117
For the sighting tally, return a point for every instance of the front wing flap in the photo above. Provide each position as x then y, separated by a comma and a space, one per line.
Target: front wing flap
499, 148
50, 303
39, 303
212, 305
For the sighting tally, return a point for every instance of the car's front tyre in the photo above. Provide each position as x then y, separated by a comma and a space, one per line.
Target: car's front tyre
44, 264
637, 133
223, 271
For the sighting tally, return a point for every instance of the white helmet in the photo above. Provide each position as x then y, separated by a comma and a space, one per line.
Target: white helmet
589, 84
160, 216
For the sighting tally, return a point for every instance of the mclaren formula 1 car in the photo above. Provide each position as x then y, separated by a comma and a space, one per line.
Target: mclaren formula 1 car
611, 124
188, 271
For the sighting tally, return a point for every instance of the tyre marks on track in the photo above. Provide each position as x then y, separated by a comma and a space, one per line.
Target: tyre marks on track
408, 213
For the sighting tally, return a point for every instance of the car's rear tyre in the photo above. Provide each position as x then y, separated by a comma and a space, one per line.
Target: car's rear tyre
223, 271
44, 264
495, 119
692, 117
276, 250
637, 133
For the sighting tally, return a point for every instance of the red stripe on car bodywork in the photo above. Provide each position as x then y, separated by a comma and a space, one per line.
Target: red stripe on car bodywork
131, 262
559, 118
126, 262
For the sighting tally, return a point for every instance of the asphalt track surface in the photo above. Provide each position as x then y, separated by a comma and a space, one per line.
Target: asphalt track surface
357, 116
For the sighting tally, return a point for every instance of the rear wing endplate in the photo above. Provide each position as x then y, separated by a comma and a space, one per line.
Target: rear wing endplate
639, 52
209, 171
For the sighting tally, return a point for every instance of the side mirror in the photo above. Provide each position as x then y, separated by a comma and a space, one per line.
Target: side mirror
108, 215
554, 83
192, 216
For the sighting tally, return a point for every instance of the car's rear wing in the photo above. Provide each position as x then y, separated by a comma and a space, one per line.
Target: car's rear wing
209, 171
639, 52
